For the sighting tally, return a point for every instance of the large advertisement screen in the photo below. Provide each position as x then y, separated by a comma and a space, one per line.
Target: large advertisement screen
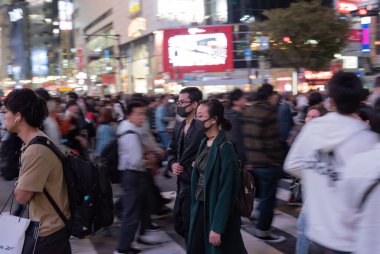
198, 49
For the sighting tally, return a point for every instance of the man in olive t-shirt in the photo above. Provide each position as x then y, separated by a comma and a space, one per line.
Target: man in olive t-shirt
40, 168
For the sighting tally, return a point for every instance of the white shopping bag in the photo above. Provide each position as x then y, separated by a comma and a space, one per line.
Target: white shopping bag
12, 233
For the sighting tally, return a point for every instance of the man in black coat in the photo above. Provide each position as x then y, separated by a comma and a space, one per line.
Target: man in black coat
181, 154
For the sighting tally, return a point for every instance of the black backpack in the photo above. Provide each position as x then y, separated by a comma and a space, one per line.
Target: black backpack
246, 195
109, 157
89, 191
10, 151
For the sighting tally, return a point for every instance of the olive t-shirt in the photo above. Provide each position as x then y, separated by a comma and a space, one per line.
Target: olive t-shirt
40, 168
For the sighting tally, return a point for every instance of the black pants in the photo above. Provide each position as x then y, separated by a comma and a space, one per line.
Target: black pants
198, 240
57, 243
181, 212
135, 207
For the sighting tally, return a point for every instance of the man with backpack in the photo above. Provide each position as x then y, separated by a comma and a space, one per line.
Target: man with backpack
134, 178
40, 169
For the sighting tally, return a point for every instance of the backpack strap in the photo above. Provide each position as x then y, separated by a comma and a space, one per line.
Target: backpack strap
368, 192
41, 140
127, 132
57, 209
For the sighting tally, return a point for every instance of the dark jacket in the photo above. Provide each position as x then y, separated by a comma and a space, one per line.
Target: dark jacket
222, 184
262, 136
236, 134
285, 119
184, 151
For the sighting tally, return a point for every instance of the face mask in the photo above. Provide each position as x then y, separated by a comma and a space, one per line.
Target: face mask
181, 111
200, 125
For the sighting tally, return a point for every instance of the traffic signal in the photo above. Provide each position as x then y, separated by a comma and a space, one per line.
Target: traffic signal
362, 12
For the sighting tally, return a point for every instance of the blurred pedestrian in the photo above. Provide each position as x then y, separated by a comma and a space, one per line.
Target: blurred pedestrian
319, 155
235, 115
215, 222
265, 155
363, 172
163, 118
104, 132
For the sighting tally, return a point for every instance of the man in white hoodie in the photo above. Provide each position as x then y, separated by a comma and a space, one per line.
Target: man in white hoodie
319, 156
361, 194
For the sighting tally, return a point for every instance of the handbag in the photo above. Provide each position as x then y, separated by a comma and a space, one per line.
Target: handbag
18, 235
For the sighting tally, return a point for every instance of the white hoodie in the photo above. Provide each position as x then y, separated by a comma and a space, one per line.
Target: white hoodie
362, 171
319, 155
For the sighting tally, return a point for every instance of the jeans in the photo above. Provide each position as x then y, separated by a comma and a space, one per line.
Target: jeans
135, 207
302, 246
165, 138
266, 179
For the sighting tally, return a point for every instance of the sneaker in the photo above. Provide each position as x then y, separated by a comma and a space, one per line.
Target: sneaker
148, 240
153, 228
130, 251
272, 238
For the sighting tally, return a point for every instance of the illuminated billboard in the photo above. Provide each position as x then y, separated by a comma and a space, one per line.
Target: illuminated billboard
198, 49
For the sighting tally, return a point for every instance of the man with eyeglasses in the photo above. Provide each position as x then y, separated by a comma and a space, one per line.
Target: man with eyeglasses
181, 154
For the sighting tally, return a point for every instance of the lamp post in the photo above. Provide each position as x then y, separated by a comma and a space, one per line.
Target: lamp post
115, 37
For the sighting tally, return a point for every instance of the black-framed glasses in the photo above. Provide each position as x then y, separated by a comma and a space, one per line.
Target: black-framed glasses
183, 103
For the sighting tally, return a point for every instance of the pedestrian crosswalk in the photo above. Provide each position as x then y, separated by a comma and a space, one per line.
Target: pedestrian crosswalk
283, 224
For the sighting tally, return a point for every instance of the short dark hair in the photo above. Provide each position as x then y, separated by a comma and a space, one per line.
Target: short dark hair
216, 109
132, 105
194, 93
345, 88
31, 106
43, 93
315, 98
235, 95
73, 95
264, 92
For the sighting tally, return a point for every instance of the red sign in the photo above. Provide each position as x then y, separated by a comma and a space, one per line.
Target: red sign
322, 75
355, 35
206, 49
346, 7
108, 79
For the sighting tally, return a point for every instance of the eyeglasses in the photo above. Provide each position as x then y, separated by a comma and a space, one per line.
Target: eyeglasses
182, 103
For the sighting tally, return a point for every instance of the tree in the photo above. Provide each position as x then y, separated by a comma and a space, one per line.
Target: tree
305, 35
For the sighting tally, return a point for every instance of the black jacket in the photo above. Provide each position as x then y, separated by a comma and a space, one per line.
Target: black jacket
236, 133
184, 150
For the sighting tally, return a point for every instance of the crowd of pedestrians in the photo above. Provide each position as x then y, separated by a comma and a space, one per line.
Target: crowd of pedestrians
326, 142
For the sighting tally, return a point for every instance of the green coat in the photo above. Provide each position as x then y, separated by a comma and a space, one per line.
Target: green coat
222, 182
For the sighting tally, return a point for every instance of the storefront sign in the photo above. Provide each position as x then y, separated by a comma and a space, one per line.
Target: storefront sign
346, 7
209, 51
322, 75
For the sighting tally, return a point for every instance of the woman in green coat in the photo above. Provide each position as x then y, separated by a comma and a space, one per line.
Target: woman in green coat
214, 221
